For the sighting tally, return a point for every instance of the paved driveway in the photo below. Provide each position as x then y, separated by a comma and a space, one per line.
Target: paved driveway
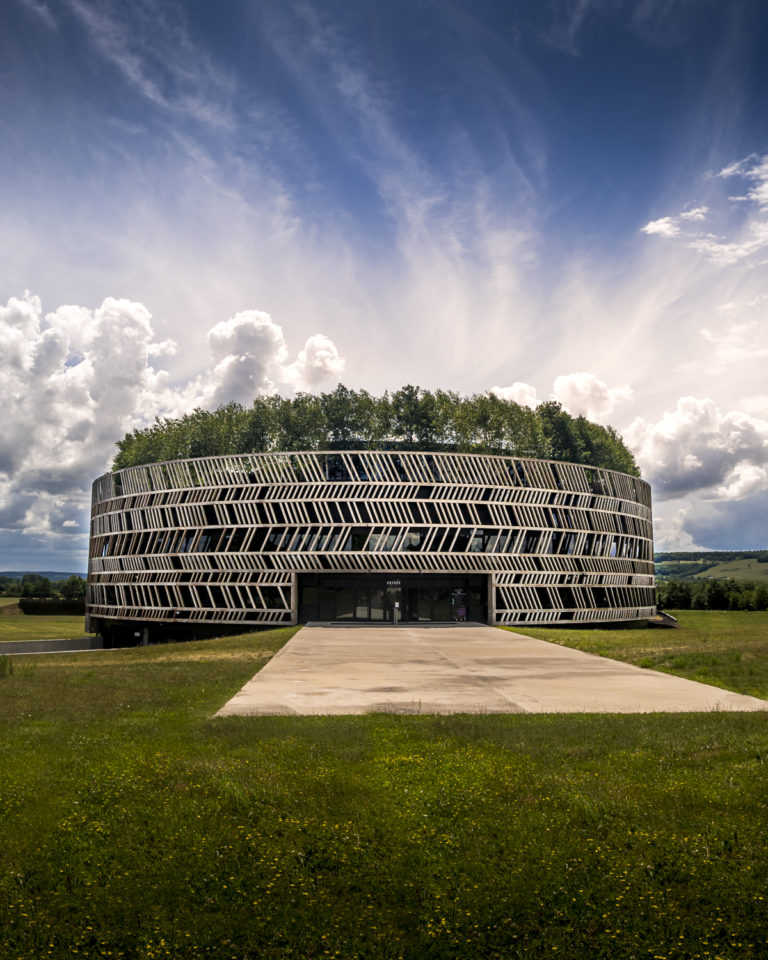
329, 669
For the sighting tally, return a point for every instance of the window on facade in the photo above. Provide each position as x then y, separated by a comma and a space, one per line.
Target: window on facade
272, 598
356, 539
569, 543
272, 542
545, 601
484, 514
600, 595
209, 540
415, 538
388, 542
237, 539
530, 541
462, 540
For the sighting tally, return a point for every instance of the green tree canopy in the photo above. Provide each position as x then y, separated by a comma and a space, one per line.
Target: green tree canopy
410, 419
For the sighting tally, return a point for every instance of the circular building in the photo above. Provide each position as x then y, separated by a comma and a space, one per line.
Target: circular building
180, 548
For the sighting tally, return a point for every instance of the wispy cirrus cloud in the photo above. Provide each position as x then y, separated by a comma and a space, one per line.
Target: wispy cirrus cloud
753, 169
42, 11
150, 46
748, 235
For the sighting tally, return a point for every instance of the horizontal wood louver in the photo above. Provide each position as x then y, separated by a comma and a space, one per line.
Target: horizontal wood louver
224, 539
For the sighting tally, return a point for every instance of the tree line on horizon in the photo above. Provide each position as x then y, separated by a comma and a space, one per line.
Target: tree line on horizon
37, 586
406, 419
725, 594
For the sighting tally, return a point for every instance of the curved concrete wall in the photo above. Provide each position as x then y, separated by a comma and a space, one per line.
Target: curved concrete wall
225, 540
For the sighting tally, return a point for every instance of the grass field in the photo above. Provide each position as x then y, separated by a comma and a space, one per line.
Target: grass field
746, 568
726, 649
14, 625
134, 825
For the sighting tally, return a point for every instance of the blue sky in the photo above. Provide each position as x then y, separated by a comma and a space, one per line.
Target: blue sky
555, 198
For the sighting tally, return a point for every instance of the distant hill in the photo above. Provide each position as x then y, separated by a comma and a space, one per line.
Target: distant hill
50, 574
713, 564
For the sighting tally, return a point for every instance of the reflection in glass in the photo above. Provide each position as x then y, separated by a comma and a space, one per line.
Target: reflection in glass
377, 604
361, 605
345, 603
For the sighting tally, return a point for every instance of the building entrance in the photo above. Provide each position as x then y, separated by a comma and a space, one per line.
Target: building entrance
392, 598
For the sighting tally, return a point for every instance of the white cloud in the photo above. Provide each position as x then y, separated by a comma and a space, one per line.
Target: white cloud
698, 449
73, 382
319, 361
698, 213
519, 392
746, 238
670, 226
754, 169
669, 530
664, 227
727, 252
584, 394
248, 349
744, 480
152, 49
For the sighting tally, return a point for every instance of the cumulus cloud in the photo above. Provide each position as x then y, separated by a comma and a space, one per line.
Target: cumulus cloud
698, 449
670, 532
248, 349
317, 362
75, 380
251, 357
519, 392
663, 227
584, 394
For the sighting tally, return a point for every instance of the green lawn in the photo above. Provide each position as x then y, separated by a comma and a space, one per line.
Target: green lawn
135, 825
722, 648
746, 568
15, 625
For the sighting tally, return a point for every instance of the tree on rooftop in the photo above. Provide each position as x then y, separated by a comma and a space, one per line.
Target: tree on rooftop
410, 418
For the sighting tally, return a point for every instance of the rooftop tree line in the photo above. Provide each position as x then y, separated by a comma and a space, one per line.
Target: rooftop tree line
407, 419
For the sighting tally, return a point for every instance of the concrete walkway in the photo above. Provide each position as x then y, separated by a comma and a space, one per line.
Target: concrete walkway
328, 669
13, 648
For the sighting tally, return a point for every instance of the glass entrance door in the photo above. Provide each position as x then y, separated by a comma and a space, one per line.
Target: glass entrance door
393, 601
390, 598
